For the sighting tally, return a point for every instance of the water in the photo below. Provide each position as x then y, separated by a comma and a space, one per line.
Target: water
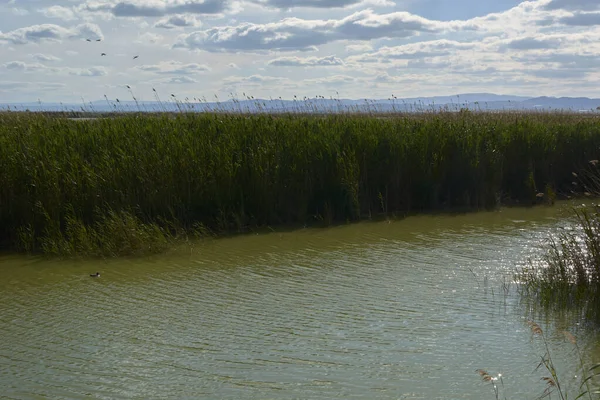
401, 310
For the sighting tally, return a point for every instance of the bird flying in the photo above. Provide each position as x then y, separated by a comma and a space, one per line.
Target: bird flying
134, 57
103, 54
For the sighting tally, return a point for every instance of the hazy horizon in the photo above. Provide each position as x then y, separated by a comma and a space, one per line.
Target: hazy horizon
348, 49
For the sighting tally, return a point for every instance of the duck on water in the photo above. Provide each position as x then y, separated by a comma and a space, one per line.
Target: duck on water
96, 275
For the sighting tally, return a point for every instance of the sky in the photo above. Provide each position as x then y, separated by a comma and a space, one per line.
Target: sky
51, 50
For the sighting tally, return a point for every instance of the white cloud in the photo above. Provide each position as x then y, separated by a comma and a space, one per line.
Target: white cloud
323, 4
38, 67
333, 80
306, 62
23, 67
359, 48
19, 11
155, 8
93, 71
178, 21
180, 80
59, 12
50, 32
45, 57
299, 34
254, 80
30, 86
175, 68
575, 5
148, 38
435, 48
546, 47
532, 43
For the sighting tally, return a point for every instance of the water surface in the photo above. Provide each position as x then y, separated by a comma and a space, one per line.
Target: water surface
388, 310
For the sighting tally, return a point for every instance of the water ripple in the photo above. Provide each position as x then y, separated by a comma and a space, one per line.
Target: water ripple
376, 310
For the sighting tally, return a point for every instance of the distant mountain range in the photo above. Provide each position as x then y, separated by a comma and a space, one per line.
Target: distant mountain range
471, 101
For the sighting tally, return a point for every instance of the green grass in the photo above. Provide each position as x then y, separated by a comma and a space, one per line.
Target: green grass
566, 278
77, 187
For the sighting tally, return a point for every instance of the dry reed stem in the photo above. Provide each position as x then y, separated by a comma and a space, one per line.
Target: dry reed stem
569, 336
535, 328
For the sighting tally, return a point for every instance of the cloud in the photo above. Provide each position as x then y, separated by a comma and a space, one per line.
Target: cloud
299, 34
180, 80
178, 21
93, 71
581, 19
37, 67
384, 77
562, 60
19, 11
558, 73
44, 57
156, 8
289, 4
175, 68
50, 32
306, 62
148, 38
434, 48
359, 48
23, 67
333, 80
59, 12
36, 86
532, 43
519, 20
428, 64
254, 80
573, 5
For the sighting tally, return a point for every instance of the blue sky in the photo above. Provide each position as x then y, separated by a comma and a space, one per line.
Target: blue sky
273, 48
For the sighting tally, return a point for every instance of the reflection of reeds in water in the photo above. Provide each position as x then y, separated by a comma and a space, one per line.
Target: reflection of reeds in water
552, 381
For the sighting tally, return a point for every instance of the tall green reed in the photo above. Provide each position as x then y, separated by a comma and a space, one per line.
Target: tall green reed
232, 172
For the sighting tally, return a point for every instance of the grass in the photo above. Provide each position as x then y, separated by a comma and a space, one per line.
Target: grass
565, 280
552, 380
135, 183
567, 276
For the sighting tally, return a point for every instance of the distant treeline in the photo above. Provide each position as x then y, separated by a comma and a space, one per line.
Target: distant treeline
129, 184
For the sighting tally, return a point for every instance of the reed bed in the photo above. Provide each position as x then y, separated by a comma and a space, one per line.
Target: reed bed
132, 183
566, 278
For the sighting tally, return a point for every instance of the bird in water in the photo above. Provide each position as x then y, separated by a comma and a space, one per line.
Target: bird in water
96, 275
88, 40
103, 54
98, 40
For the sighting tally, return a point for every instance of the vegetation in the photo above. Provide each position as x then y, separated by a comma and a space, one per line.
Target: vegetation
552, 380
133, 183
567, 277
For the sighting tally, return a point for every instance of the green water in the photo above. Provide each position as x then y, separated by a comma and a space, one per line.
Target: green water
389, 310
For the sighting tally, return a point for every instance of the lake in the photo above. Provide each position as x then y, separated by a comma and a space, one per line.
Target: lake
402, 309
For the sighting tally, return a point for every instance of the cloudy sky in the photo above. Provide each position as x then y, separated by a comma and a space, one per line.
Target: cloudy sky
272, 48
